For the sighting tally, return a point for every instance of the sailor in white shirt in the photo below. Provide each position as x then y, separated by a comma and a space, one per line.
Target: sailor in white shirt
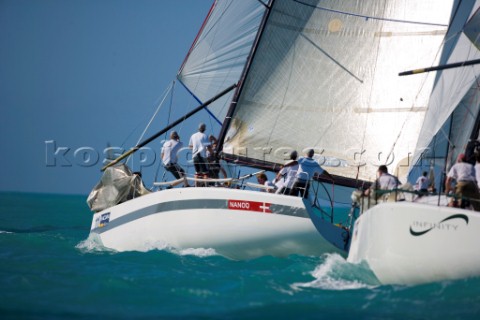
286, 176
464, 174
477, 170
169, 156
385, 181
422, 182
199, 144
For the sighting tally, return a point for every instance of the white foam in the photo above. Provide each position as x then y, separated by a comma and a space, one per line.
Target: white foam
199, 252
163, 246
92, 244
335, 273
156, 245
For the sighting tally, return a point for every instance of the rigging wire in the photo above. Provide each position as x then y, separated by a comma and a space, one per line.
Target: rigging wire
264, 4
448, 157
453, 37
160, 164
169, 88
409, 115
170, 106
367, 120
165, 94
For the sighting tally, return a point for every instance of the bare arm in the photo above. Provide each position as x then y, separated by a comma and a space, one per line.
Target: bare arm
291, 163
328, 175
448, 184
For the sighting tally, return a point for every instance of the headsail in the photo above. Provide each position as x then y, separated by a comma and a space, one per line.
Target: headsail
325, 76
219, 53
455, 103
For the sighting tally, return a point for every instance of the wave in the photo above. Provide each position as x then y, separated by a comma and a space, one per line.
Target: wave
335, 273
198, 252
93, 244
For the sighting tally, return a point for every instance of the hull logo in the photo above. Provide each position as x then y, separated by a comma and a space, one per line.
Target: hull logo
103, 220
429, 226
249, 206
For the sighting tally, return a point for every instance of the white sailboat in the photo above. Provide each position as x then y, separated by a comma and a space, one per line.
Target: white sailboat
422, 241
228, 53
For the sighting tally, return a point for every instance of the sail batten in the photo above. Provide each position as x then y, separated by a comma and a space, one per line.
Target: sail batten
328, 80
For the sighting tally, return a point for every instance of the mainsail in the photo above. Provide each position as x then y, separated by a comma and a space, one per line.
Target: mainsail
455, 102
325, 76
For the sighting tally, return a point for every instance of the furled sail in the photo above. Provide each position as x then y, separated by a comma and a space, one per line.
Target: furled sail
455, 103
219, 53
325, 76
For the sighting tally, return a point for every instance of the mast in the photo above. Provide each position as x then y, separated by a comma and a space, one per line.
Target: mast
233, 104
262, 164
320, 74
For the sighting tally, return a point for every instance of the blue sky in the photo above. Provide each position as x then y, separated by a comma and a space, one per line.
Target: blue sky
76, 75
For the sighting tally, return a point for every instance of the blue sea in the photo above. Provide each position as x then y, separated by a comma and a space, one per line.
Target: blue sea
49, 269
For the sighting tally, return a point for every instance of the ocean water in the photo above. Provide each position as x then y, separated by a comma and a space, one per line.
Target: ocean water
50, 270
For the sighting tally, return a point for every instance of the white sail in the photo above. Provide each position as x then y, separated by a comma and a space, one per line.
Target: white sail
235, 222
312, 74
456, 91
219, 53
426, 240
325, 76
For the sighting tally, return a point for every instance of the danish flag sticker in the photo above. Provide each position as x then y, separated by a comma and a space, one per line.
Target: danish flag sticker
246, 205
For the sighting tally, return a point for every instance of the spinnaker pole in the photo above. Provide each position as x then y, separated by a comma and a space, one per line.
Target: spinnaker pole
441, 67
173, 124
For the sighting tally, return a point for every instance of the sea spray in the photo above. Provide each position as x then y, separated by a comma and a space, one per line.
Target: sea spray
335, 273
199, 252
94, 244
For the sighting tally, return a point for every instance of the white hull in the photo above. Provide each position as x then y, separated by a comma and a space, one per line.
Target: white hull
411, 243
238, 224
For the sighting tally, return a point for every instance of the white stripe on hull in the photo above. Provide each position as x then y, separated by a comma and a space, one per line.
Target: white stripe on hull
238, 224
